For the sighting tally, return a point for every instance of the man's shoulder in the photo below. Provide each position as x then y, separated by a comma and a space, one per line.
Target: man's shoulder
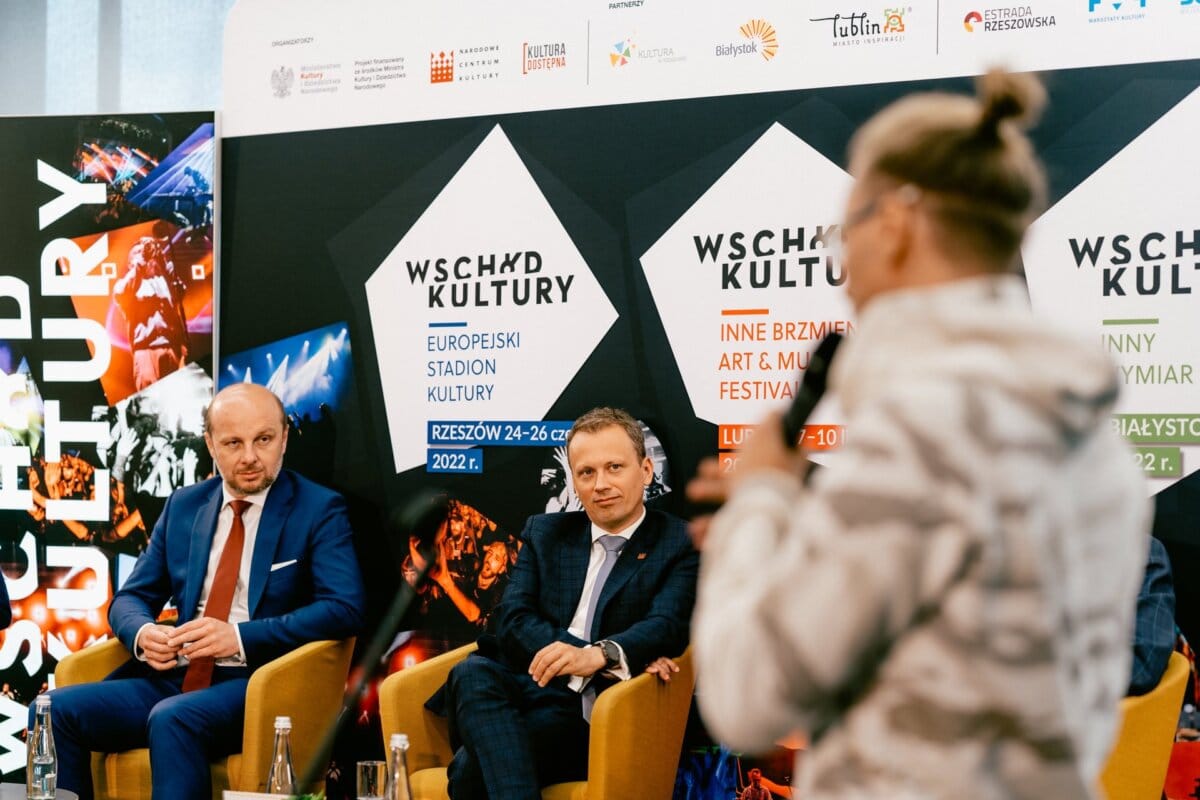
542, 525
667, 523
308, 490
197, 493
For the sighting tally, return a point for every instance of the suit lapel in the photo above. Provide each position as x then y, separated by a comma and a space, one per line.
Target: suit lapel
577, 547
270, 528
204, 528
633, 556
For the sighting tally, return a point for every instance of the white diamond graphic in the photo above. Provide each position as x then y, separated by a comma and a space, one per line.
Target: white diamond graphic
505, 316
1118, 259
742, 319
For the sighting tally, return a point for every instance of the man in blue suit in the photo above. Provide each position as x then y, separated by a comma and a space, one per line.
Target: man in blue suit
596, 597
258, 562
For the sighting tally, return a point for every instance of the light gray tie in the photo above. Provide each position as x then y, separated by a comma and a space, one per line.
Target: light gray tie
612, 550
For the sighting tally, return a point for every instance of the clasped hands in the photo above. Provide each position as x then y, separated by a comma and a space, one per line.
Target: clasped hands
161, 645
560, 658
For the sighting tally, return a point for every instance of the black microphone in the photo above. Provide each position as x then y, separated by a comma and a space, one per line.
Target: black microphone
812, 388
422, 516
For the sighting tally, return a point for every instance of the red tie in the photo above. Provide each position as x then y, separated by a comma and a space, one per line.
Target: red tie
220, 596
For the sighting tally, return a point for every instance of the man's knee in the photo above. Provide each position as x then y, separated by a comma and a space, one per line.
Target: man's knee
476, 676
177, 714
211, 720
167, 714
64, 707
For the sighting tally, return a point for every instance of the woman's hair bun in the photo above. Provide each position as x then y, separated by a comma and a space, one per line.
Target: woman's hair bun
1018, 97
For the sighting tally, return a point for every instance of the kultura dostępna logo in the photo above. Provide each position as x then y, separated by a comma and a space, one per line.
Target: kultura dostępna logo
543, 57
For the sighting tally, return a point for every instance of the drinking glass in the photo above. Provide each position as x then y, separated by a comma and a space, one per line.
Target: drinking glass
372, 775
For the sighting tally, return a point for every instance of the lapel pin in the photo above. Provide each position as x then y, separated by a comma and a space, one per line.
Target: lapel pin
641, 556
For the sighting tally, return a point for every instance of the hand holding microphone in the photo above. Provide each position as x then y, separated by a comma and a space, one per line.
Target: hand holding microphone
773, 445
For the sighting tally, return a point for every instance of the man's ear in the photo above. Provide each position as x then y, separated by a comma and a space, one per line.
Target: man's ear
212, 451
896, 220
647, 471
285, 433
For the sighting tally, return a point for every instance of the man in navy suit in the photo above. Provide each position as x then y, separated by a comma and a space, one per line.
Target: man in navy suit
596, 597
258, 562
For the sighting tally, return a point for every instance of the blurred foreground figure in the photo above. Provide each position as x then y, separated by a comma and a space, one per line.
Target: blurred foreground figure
947, 609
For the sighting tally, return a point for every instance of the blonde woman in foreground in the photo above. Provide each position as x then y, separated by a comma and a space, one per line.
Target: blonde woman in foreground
947, 608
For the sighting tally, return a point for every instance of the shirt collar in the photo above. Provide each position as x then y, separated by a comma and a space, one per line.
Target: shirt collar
625, 533
257, 499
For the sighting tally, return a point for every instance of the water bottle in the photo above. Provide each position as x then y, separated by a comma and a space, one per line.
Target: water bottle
282, 778
398, 787
41, 766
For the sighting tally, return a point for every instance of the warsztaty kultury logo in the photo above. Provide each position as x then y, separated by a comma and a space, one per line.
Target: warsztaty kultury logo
1113, 11
1007, 19
861, 28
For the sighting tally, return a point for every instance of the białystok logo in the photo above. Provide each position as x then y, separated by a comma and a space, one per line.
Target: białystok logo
764, 32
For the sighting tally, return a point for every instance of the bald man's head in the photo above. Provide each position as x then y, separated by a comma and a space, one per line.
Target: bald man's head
245, 428
251, 389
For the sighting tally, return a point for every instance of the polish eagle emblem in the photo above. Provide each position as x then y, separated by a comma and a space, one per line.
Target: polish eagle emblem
282, 80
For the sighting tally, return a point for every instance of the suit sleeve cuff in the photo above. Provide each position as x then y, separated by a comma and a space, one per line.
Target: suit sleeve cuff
138, 652
621, 670
241, 653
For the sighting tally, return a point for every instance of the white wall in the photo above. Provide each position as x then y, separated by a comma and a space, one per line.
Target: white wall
103, 56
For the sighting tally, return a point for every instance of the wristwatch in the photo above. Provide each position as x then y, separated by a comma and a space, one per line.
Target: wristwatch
612, 654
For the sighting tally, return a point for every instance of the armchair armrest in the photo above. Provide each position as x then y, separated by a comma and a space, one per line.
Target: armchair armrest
637, 734
402, 697
307, 685
91, 664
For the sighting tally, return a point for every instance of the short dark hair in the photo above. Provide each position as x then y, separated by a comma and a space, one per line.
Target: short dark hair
604, 417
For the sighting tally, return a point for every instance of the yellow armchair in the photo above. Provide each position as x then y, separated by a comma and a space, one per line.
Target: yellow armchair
1137, 766
637, 733
306, 684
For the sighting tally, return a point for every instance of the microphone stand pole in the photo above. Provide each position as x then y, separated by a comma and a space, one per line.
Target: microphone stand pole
384, 635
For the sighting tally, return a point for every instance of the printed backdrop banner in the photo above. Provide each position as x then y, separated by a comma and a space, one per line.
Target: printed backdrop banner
106, 339
516, 216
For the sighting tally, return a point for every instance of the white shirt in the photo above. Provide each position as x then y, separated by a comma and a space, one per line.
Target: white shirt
595, 561
239, 610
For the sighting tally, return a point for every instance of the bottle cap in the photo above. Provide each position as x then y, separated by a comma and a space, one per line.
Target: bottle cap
284, 723
399, 740
42, 700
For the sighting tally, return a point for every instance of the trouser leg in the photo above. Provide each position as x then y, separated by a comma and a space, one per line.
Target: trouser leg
107, 716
